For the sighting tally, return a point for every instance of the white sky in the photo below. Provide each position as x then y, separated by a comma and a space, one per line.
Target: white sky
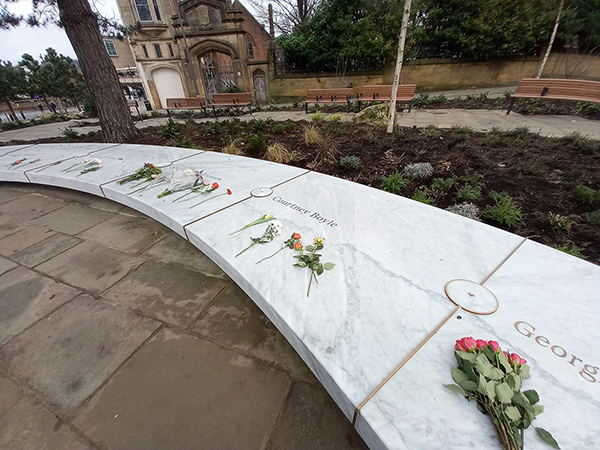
23, 39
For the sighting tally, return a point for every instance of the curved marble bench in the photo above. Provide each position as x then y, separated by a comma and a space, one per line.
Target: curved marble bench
378, 331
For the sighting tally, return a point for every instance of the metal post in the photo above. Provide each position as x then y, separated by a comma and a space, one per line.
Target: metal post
187, 50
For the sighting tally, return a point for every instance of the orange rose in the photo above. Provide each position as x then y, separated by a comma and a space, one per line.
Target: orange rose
298, 246
296, 236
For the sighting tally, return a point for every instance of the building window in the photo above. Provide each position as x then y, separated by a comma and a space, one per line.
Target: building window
145, 51
250, 49
110, 48
171, 54
157, 50
156, 10
143, 10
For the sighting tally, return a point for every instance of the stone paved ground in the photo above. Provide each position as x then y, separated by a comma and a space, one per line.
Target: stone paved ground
116, 333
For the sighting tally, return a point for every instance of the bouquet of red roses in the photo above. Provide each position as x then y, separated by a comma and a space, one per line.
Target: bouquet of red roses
493, 379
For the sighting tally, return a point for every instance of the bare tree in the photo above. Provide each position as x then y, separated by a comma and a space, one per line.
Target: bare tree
287, 14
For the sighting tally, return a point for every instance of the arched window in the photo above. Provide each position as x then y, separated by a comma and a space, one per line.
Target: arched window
250, 48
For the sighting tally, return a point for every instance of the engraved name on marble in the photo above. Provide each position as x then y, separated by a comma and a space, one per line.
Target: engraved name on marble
527, 330
315, 215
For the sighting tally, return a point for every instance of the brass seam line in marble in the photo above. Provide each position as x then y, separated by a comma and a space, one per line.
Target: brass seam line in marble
102, 190
469, 310
503, 261
389, 377
291, 179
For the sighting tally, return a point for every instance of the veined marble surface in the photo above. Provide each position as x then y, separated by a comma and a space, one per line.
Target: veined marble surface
549, 304
385, 296
393, 258
48, 154
12, 148
239, 174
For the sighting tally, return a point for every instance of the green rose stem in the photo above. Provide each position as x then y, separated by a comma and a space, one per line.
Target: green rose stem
271, 255
247, 248
312, 275
263, 219
210, 198
143, 188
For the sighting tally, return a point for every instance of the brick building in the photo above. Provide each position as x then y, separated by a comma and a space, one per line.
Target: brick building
227, 46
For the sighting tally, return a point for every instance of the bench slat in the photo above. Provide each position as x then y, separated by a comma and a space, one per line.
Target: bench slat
186, 103
381, 93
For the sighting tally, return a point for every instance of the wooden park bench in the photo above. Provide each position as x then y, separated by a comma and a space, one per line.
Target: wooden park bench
133, 104
383, 93
556, 89
236, 101
342, 95
186, 103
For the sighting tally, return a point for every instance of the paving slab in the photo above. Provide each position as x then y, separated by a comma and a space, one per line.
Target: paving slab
311, 420
30, 426
173, 248
10, 394
235, 321
180, 392
130, 234
44, 250
90, 266
29, 207
72, 219
81, 198
6, 265
8, 193
26, 297
67, 356
167, 292
24, 238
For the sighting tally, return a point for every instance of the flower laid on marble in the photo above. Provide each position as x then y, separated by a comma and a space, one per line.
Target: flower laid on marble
91, 166
263, 219
493, 379
143, 173
68, 169
273, 230
182, 180
292, 243
155, 179
34, 161
311, 259
227, 192
204, 188
16, 163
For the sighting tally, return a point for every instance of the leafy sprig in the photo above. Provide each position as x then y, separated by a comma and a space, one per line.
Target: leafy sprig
144, 172
273, 229
292, 243
263, 219
312, 260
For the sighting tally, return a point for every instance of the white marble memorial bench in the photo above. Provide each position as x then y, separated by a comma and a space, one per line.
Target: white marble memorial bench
379, 329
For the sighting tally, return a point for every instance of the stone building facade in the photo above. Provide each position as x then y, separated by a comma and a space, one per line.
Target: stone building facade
227, 46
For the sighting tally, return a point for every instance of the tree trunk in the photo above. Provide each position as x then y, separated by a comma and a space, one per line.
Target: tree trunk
101, 77
12, 111
400, 57
560, 10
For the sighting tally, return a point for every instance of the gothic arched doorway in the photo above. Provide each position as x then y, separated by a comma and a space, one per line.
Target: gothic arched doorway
260, 86
217, 72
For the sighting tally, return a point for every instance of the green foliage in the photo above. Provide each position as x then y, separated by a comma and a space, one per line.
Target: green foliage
231, 89
418, 170
469, 193
504, 211
89, 109
592, 217
422, 100
582, 142
573, 250
393, 183
350, 162
441, 184
258, 125
484, 95
256, 142
560, 223
335, 118
170, 129
182, 141
431, 130
586, 194
312, 260
69, 134
573, 176
317, 117
589, 108
423, 196
282, 128
12, 82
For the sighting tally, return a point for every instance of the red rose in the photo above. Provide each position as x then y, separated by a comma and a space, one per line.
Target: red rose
495, 346
228, 192
481, 343
215, 185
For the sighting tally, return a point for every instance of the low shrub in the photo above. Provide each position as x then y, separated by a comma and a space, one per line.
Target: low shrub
259, 124
170, 129
560, 223
89, 109
256, 142
582, 142
69, 134
586, 194
233, 148
573, 250
469, 193
417, 171
431, 130
592, 217
317, 117
393, 183
182, 141
468, 210
422, 195
504, 211
422, 100
278, 153
573, 176
335, 118
312, 136
442, 184
350, 162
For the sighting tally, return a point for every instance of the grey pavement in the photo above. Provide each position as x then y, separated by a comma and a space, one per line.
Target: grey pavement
116, 333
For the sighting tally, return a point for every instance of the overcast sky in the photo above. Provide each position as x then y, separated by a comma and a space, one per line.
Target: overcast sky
16, 41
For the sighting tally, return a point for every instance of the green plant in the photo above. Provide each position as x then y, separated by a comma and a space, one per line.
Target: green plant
317, 117
592, 217
296, 105
504, 211
371, 136
393, 183
468, 210
170, 129
533, 168
518, 132
89, 109
573, 176
190, 126
439, 99
469, 193
327, 151
182, 141
573, 250
441, 184
232, 89
280, 129
582, 142
335, 118
471, 97
471, 178
278, 153
462, 129
256, 142
69, 134
232, 127
421, 100
484, 95
423, 196
588, 108
295, 155
312, 136
311, 260
259, 124
340, 127
560, 223
350, 162
586, 194
431, 130
211, 128
418, 170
